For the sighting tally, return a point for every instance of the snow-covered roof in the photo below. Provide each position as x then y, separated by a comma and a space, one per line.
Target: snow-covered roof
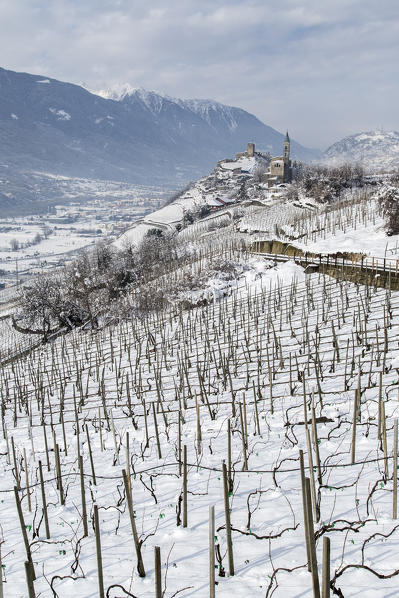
214, 202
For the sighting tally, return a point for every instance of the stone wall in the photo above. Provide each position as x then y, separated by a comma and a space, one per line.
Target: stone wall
335, 267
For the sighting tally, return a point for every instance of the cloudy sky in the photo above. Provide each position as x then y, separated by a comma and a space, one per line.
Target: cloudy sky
322, 68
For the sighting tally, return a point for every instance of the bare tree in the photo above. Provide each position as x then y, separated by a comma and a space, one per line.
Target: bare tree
14, 244
388, 197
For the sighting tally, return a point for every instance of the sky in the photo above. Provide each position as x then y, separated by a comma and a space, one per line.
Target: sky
323, 69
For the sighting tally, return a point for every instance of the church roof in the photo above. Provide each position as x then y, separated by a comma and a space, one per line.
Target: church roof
287, 137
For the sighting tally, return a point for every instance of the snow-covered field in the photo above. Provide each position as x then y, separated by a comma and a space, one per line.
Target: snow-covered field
32, 244
253, 358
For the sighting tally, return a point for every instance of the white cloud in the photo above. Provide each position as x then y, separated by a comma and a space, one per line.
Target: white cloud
324, 69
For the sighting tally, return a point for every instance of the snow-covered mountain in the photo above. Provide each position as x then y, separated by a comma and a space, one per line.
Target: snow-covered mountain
374, 149
129, 135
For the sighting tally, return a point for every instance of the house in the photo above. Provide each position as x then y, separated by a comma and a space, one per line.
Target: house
218, 203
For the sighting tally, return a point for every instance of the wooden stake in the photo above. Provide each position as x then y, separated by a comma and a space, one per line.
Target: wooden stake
63, 434
23, 530
230, 479
395, 471
46, 447
185, 486
379, 404
305, 513
83, 496
316, 442
156, 431
140, 564
99, 555
311, 474
59, 474
44, 503
384, 439
211, 552
158, 577
14, 456
325, 589
27, 482
199, 433
29, 579
100, 429
353, 447
227, 518
91, 456
114, 437
128, 460
314, 570
179, 442
243, 440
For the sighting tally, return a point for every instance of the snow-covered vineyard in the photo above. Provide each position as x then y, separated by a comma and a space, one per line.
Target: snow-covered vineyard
286, 363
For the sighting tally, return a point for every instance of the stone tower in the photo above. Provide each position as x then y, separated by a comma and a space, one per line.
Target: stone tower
280, 169
286, 146
251, 150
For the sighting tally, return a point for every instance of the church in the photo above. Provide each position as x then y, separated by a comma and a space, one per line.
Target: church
280, 169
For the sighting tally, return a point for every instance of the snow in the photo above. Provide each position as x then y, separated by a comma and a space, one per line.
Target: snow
276, 448
14, 116
374, 149
154, 101
368, 238
118, 92
164, 219
244, 163
43, 81
262, 333
61, 114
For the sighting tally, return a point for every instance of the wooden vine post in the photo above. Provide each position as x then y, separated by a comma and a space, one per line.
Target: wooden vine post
305, 512
83, 496
44, 503
227, 519
325, 587
99, 554
140, 564
312, 545
158, 577
29, 580
24, 534
395, 471
185, 485
211, 552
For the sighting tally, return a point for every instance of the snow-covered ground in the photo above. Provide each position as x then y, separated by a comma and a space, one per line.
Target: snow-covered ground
69, 229
370, 240
212, 354
222, 181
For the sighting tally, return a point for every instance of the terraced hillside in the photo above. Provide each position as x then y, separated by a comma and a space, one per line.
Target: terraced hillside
209, 407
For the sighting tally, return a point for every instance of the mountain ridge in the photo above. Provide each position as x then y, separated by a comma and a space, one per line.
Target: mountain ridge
143, 138
375, 149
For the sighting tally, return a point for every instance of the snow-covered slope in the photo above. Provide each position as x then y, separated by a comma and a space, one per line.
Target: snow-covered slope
374, 149
224, 182
195, 117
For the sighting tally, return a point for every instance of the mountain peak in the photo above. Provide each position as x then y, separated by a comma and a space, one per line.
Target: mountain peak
117, 92
376, 149
206, 109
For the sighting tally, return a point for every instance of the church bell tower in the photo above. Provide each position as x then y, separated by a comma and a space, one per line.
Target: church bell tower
286, 153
